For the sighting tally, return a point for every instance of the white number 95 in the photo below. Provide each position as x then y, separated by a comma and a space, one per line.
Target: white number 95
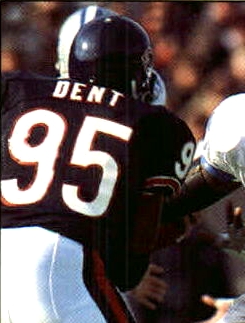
45, 154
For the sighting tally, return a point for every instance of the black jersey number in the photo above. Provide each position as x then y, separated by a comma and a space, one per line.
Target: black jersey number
44, 156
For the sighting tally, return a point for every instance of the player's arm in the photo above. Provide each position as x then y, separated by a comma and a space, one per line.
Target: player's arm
167, 152
162, 151
200, 190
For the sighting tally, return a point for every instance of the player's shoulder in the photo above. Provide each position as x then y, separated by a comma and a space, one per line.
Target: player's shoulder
19, 75
7, 78
168, 119
12, 75
19, 78
152, 112
18, 86
160, 121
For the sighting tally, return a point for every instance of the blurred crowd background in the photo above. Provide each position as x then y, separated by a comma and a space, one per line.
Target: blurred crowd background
199, 46
199, 50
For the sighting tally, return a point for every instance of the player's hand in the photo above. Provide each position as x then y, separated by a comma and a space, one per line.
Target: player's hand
151, 289
220, 304
234, 219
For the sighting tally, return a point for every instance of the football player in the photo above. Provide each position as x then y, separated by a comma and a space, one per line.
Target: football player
83, 160
221, 170
67, 33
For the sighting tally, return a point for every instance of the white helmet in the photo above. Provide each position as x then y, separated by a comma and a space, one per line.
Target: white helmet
70, 28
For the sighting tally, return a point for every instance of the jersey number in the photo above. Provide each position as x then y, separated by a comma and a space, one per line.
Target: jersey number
182, 167
44, 156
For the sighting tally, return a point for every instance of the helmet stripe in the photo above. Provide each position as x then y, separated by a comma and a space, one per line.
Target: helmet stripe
88, 14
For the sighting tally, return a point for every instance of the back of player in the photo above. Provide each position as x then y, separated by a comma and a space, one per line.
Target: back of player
76, 158
63, 147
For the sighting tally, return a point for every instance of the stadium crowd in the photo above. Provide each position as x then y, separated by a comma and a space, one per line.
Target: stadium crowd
199, 47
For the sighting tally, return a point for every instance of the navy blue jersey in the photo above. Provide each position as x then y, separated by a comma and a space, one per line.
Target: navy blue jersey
76, 157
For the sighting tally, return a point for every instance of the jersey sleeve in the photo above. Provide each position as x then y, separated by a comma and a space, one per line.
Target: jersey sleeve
166, 151
163, 148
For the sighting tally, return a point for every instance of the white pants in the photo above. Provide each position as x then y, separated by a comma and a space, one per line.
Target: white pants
41, 279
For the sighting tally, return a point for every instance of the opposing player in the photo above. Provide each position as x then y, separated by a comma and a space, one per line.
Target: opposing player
222, 164
221, 170
81, 159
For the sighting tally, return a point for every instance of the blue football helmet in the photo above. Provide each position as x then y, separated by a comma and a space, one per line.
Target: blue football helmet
69, 30
114, 52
